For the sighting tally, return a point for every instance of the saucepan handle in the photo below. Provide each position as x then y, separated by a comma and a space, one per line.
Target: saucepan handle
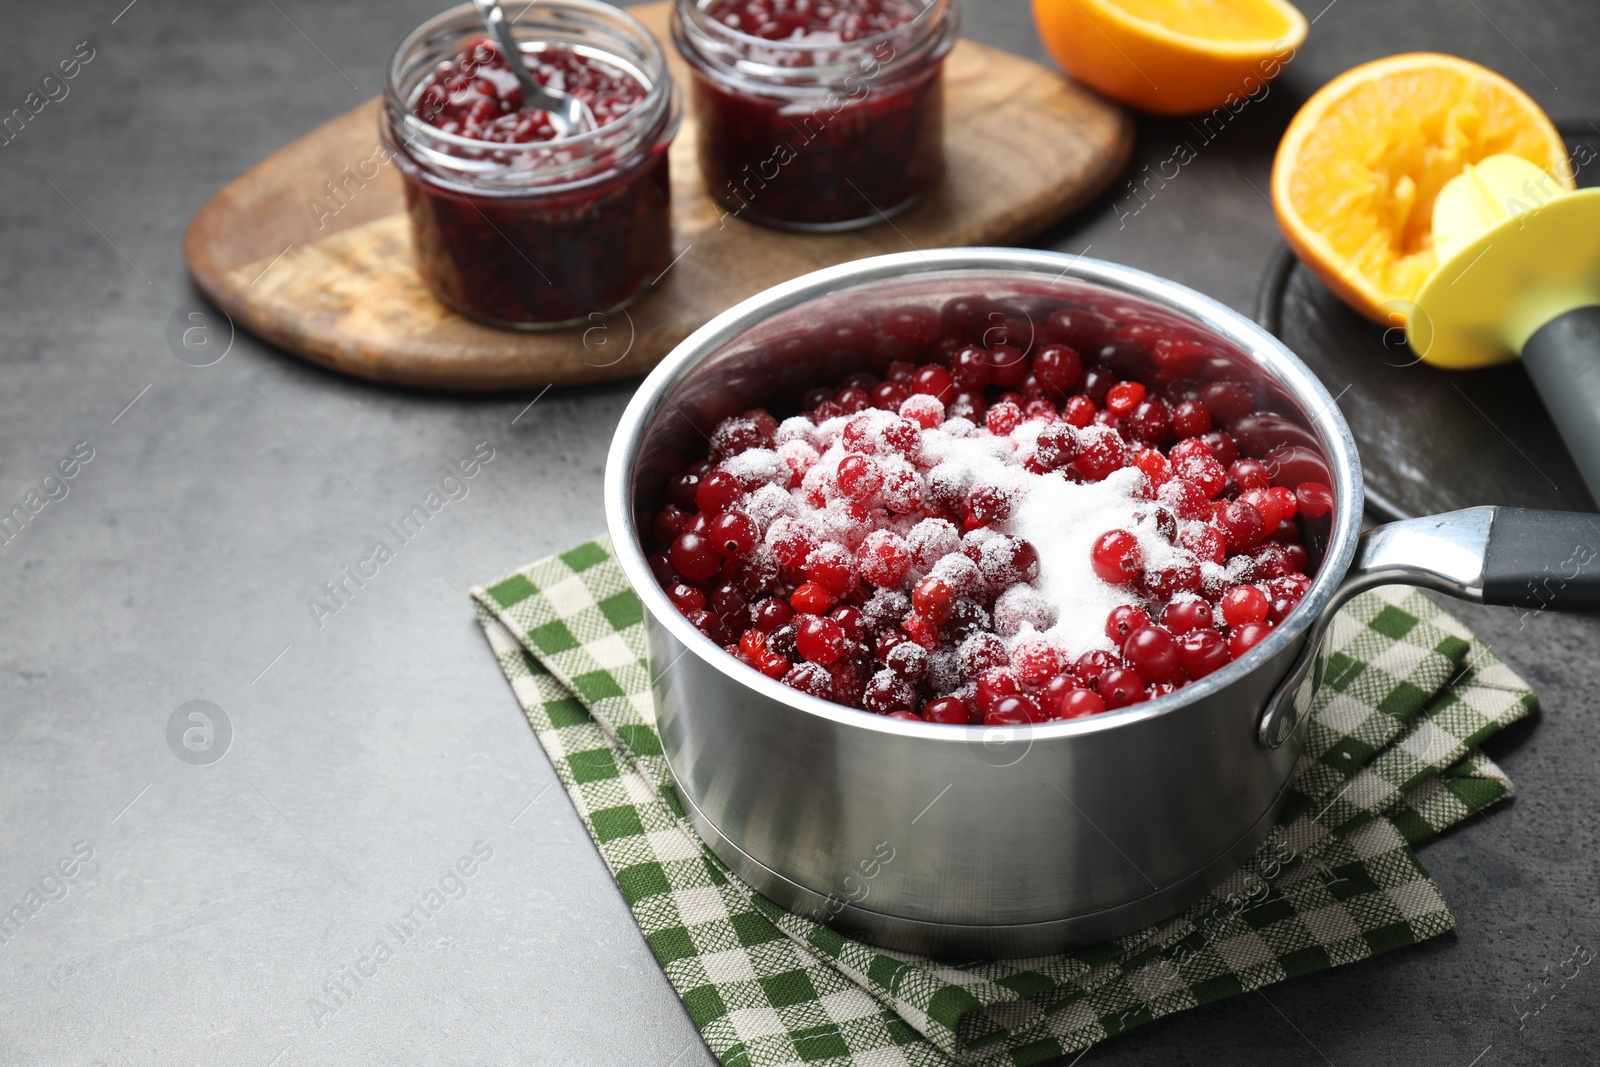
1541, 560
1529, 560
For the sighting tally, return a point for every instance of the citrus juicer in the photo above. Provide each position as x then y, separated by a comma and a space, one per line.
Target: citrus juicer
1519, 275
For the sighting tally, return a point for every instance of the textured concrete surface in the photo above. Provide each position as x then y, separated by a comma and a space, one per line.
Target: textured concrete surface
368, 755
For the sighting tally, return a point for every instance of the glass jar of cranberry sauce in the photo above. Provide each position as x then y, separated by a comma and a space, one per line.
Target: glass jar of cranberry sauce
817, 115
515, 221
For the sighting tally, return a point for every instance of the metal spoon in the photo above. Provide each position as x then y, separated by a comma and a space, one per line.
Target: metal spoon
569, 110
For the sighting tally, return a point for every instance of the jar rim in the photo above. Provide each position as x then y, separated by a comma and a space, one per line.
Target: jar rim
632, 131
697, 11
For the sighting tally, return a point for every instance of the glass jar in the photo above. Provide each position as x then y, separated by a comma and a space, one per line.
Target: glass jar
543, 233
818, 135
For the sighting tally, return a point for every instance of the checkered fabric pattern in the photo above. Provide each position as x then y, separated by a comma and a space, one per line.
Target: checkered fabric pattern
1390, 761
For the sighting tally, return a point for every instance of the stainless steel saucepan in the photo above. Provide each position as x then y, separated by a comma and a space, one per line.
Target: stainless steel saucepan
974, 841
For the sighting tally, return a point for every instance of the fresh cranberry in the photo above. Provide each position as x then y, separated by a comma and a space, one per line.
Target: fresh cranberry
1150, 422
669, 523
1123, 397
831, 570
717, 492
851, 622
1097, 383
1039, 408
1190, 418
1172, 579
1203, 471
1205, 541
935, 381
791, 543
993, 684
820, 640
909, 660
888, 396
753, 643
1314, 498
1035, 661
1227, 401
734, 532
968, 405
858, 477
921, 629
853, 400
1288, 503
1099, 456
1088, 667
971, 368
883, 558
934, 600
987, 506
949, 710
686, 598
1223, 448
887, 693
1249, 474
1002, 418
1152, 651
1270, 507
1116, 557
1241, 525
1079, 411
783, 641
1247, 637
1120, 687
772, 613
682, 490
1123, 620
1202, 651
1017, 710
1057, 367
1008, 365
1155, 466
1076, 703
695, 556
661, 567
1056, 446
729, 603
812, 679
1186, 614
812, 598
1243, 604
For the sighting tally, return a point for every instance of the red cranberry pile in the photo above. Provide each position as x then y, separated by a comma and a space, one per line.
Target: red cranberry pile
896, 544
813, 21
477, 96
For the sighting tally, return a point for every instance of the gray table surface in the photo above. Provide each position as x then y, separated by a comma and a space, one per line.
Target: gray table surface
371, 752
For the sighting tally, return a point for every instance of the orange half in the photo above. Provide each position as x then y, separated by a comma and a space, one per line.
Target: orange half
1172, 57
1359, 168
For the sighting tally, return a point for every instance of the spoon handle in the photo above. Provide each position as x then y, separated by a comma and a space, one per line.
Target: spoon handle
494, 17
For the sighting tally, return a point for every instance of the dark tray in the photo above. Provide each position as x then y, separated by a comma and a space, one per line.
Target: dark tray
1430, 440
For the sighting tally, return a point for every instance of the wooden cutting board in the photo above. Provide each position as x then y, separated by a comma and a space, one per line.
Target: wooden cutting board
332, 281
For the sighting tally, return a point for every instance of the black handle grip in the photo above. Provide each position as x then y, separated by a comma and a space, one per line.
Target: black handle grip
1543, 560
1563, 359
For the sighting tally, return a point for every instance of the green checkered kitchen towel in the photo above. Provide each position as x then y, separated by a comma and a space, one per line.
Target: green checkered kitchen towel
1390, 761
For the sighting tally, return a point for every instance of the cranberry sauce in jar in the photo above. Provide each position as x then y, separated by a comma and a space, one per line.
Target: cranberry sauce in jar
817, 115
516, 221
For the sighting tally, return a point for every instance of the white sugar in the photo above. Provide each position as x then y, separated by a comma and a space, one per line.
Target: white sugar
1062, 520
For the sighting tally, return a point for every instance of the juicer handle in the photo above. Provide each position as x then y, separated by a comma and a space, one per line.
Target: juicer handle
1528, 560
1563, 359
